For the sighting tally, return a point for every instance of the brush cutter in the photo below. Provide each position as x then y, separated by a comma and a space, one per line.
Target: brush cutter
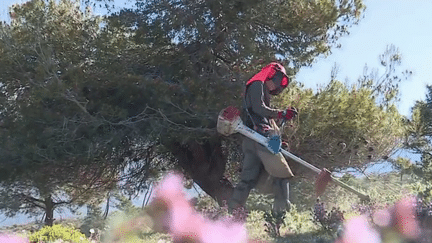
229, 122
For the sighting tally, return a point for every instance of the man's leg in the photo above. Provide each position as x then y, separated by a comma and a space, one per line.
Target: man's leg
249, 175
281, 195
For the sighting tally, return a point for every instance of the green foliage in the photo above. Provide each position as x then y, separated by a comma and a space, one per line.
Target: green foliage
190, 53
419, 142
255, 226
93, 220
296, 30
382, 189
81, 101
204, 203
58, 232
258, 201
33, 118
274, 221
93, 98
348, 126
84, 102
341, 127
51, 146
185, 55
125, 205
298, 222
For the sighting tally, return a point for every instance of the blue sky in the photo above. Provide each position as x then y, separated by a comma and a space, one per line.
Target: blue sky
406, 24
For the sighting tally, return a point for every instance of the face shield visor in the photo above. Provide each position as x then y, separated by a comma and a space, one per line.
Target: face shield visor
280, 80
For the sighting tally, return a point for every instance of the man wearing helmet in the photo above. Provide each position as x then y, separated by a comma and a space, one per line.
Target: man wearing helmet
260, 166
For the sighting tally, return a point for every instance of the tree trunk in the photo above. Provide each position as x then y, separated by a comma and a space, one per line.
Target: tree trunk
49, 211
205, 163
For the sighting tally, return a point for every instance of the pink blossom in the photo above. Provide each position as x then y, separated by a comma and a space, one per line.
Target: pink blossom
12, 239
179, 218
358, 230
404, 218
382, 218
399, 219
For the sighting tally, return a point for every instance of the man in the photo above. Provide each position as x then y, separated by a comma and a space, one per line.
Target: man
260, 166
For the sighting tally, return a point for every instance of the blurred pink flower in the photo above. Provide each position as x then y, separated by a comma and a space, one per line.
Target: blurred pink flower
382, 218
399, 219
358, 230
178, 217
404, 218
12, 239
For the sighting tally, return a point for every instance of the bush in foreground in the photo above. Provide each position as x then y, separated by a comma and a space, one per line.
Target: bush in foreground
58, 232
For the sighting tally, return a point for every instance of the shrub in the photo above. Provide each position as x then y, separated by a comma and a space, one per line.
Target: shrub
58, 232
299, 222
330, 221
274, 221
93, 220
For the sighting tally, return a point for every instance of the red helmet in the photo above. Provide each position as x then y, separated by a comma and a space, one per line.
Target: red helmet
273, 70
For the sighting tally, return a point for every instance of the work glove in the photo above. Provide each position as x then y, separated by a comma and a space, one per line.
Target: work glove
285, 145
288, 114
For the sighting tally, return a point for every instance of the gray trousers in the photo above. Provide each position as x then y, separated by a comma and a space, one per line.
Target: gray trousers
252, 169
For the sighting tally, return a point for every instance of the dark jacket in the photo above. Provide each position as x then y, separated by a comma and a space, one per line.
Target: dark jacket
256, 103
257, 107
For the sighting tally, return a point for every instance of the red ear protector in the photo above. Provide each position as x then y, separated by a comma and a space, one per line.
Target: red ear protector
269, 72
279, 77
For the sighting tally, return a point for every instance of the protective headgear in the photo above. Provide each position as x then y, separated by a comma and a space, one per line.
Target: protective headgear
275, 72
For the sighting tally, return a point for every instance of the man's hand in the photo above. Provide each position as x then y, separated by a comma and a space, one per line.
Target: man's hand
285, 145
275, 129
288, 114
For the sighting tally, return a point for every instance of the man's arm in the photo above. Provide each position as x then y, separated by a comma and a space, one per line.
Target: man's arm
256, 95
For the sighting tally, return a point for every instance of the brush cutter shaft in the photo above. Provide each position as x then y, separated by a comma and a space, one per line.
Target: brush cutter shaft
229, 123
297, 159
246, 131
315, 169
347, 187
